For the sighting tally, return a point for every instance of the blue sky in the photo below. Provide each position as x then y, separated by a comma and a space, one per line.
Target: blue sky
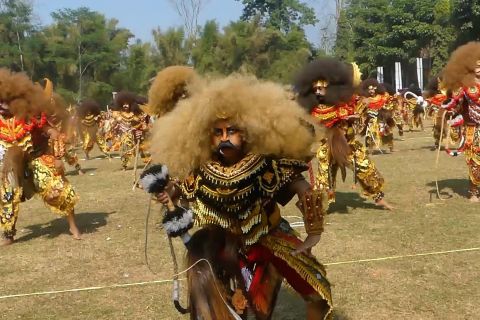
141, 16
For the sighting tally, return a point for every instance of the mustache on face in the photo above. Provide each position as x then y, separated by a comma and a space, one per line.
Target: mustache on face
226, 144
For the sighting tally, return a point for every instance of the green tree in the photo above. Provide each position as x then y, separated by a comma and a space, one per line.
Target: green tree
249, 47
84, 50
170, 47
20, 40
282, 15
466, 19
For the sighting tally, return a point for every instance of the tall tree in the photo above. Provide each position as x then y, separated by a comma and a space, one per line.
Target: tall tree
282, 15
20, 40
170, 46
84, 51
466, 19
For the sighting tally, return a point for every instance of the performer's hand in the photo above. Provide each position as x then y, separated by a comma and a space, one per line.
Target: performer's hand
163, 198
310, 242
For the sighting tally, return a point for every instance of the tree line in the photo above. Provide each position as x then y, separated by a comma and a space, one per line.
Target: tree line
88, 55
380, 32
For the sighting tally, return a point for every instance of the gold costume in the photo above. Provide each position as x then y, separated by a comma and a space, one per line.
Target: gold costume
363, 168
40, 172
243, 199
131, 129
90, 134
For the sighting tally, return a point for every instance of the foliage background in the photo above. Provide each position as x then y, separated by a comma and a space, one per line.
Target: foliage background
88, 55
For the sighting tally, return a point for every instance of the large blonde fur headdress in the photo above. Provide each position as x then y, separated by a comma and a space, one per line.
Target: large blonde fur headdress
170, 86
460, 69
273, 124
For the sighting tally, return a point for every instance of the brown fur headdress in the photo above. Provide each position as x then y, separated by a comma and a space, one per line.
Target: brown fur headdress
460, 69
371, 82
125, 97
23, 97
88, 107
433, 86
272, 123
169, 86
339, 76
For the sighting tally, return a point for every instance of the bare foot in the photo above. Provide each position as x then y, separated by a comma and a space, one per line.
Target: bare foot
384, 204
81, 172
474, 199
76, 234
6, 241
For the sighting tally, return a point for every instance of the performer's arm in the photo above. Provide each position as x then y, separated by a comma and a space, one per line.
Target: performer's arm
455, 101
310, 204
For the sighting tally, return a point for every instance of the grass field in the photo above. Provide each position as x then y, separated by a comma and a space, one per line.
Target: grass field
112, 217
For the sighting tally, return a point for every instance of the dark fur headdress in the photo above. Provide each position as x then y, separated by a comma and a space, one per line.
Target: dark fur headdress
338, 75
390, 89
125, 97
433, 86
23, 97
169, 86
460, 69
88, 107
371, 82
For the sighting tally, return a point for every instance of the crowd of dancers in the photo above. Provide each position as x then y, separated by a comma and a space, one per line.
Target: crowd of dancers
224, 154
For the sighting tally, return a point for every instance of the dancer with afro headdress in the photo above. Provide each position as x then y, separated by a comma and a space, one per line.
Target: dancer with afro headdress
325, 89
462, 76
90, 121
435, 95
130, 126
28, 168
236, 150
378, 117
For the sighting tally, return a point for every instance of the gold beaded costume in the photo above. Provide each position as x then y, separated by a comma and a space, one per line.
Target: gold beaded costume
27, 166
335, 111
461, 76
88, 114
379, 123
243, 198
435, 95
130, 127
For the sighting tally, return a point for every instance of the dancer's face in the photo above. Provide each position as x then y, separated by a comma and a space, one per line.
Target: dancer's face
126, 107
227, 140
372, 90
5, 110
320, 90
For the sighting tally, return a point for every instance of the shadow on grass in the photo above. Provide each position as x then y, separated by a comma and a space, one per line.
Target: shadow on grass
458, 186
75, 172
86, 222
290, 306
345, 200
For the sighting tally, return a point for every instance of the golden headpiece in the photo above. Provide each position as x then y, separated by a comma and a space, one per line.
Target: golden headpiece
320, 84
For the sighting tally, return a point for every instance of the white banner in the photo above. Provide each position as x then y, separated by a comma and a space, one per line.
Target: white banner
420, 72
380, 74
398, 76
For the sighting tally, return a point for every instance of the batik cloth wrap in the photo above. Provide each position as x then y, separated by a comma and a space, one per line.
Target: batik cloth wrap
54, 189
